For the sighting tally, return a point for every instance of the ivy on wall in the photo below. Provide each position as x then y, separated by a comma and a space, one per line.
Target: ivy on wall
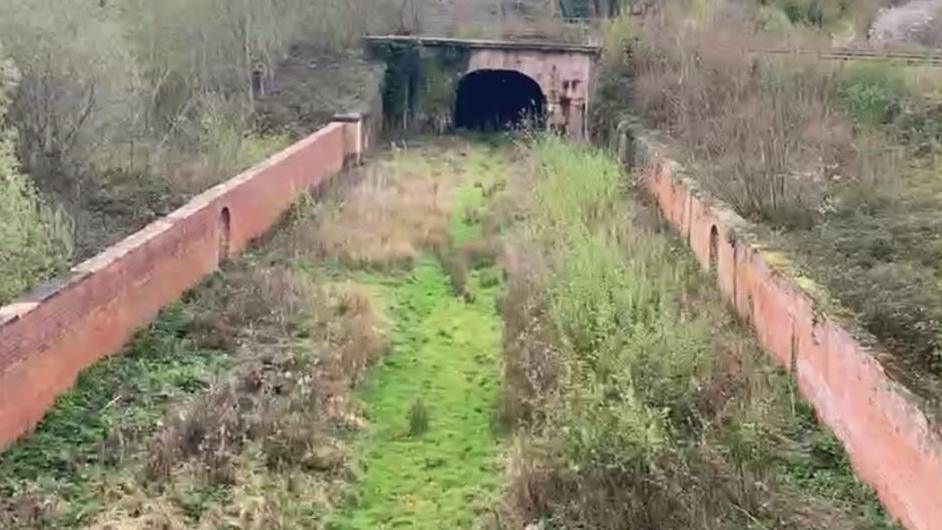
420, 84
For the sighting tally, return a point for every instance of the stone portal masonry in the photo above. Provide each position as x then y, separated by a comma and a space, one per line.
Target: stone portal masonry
563, 71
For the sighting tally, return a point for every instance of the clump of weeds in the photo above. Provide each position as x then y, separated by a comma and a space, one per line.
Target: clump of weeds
418, 418
386, 219
638, 400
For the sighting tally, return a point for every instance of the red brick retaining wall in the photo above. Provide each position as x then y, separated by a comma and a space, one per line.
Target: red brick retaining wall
49, 336
891, 442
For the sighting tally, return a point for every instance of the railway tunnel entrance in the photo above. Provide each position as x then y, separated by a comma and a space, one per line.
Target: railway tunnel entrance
495, 100
434, 84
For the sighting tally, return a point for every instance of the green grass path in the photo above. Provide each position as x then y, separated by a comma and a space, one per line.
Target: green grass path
445, 351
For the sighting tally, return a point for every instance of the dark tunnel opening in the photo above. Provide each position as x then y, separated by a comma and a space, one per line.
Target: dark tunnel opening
493, 100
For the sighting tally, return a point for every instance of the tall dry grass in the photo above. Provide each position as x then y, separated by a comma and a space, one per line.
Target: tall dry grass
834, 156
764, 132
387, 218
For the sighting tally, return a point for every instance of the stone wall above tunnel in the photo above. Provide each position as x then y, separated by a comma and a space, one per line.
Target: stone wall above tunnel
423, 75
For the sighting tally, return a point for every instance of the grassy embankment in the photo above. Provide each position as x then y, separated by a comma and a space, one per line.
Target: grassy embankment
639, 400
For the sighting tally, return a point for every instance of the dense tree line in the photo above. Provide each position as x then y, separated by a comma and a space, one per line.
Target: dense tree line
34, 239
131, 87
108, 73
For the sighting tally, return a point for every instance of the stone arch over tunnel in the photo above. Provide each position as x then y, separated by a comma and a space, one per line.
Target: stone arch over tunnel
490, 100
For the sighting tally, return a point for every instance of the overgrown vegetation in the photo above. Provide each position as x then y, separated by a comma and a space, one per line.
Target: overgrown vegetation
234, 409
638, 399
229, 411
838, 160
120, 85
584, 9
35, 239
505, 19
634, 398
835, 16
904, 104
761, 130
49, 478
414, 230
125, 108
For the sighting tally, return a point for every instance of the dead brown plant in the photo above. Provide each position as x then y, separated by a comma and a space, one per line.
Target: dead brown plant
531, 362
276, 393
761, 130
386, 220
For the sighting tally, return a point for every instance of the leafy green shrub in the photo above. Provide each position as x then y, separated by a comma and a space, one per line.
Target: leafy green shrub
878, 95
35, 240
820, 13
774, 21
872, 93
801, 11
